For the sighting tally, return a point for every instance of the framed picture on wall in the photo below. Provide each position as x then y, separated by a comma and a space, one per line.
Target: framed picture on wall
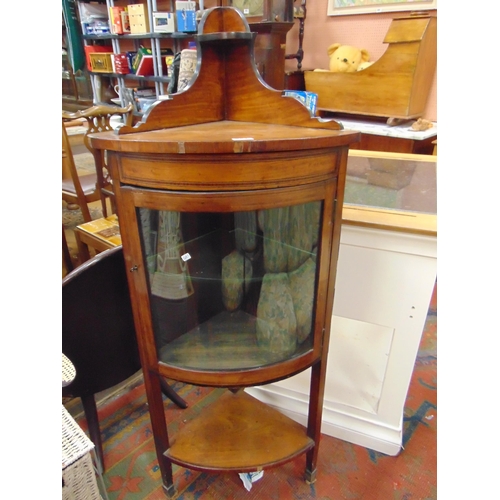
350, 7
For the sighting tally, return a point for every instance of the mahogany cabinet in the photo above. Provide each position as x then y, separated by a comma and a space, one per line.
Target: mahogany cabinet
229, 197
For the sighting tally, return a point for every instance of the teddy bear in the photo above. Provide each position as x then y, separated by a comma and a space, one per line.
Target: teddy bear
364, 65
421, 124
347, 59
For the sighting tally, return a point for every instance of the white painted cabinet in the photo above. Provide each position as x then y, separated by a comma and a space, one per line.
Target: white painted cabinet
385, 281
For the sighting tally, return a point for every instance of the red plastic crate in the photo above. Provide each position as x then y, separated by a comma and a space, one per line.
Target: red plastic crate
90, 49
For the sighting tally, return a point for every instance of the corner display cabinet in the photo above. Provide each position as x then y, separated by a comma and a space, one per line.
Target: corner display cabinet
229, 198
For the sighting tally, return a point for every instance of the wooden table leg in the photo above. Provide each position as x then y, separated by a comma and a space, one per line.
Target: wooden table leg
83, 249
68, 262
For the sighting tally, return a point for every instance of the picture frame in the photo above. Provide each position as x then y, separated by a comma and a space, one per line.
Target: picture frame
353, 7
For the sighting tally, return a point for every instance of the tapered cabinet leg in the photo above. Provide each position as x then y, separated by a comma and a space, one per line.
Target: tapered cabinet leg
169, 490
159, 427
315, 416
310, 475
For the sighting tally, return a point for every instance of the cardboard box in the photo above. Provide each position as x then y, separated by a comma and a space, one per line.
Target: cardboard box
115, 20
163, 22
145, 66
143, 62
138, 18
125, 21
186, 16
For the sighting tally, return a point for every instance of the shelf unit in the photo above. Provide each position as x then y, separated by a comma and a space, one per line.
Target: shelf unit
269, 46
127, 42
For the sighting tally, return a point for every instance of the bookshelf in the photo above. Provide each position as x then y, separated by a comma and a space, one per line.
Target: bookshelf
109, 84
109, 81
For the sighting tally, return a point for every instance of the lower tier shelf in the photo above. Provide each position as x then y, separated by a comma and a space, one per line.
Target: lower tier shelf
238, 433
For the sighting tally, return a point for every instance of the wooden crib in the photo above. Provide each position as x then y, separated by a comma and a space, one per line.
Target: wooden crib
396, 85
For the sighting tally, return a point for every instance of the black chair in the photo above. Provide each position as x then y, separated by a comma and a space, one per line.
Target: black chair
98, 334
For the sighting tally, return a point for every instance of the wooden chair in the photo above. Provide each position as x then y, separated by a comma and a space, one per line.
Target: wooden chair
98, 334
84, 189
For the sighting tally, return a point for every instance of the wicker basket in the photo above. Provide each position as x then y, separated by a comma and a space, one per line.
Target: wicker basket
79, 479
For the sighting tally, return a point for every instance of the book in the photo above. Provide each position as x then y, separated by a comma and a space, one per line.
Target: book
105, 229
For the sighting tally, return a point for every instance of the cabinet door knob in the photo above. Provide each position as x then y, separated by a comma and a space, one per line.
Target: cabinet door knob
134, 268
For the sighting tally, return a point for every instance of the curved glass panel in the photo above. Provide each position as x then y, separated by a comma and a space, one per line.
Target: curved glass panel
232, 291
